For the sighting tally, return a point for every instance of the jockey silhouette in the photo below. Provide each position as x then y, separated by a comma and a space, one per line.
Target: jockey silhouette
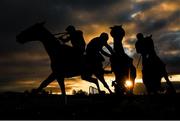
76, 38
94, 51
94, 59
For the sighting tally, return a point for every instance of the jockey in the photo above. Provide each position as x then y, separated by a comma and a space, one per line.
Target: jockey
76, 38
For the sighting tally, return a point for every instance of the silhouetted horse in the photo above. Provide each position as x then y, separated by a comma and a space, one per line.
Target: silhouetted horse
153, 68
64, 61
121, 63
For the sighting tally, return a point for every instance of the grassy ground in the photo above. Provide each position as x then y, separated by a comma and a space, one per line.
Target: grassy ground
23, 106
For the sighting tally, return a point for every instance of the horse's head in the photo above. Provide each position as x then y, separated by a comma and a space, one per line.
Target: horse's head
117, 31
35, 32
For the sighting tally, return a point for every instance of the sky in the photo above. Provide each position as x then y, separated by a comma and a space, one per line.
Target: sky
23, 67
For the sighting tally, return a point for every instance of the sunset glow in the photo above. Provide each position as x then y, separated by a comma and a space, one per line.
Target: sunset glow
128, 84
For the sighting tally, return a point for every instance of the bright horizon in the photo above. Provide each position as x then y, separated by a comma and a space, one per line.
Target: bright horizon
74, 83
84, 85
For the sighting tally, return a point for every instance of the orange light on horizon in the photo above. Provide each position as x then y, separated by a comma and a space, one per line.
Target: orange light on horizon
75, 84
128, 84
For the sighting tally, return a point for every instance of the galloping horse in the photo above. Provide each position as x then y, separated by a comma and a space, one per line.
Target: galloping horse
64, 61
121, 63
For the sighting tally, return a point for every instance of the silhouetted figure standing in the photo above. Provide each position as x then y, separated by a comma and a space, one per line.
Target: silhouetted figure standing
121, 63
153, 68
94, 59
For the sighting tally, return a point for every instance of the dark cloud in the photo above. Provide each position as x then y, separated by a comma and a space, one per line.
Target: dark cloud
172, 64
23, 66
18, 15
168, 48
153, 25
169, 40
145, 5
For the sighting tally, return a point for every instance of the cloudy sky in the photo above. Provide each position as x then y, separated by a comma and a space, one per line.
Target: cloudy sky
25, 66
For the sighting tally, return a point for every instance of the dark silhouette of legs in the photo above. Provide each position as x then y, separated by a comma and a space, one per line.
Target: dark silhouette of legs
170, 87
46, 82
133, 77
101, 78
92, 80
60, 81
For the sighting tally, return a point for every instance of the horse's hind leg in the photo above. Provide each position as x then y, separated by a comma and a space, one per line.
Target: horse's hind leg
133, 77
92, 80
46, 82
100, 76
60, 81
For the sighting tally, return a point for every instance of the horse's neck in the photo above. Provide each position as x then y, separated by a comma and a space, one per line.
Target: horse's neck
52, 47
118, 47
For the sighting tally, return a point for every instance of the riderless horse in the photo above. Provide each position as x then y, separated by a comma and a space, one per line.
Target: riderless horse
64, 61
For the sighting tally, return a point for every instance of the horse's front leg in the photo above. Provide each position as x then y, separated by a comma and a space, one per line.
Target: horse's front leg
46, 82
